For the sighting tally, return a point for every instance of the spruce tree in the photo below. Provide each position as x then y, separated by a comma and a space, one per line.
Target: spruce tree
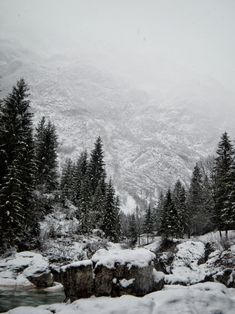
96, 170
98, 205
79, 175
84, 207
66, 187
118, 219
230, 215
46, 156
111, 216
170, 224
179, 198
132, 230
17, 181
195, 202
224, 183
208, 204
157, 212
148, 223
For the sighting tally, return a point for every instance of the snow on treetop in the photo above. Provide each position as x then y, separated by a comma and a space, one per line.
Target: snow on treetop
138, 257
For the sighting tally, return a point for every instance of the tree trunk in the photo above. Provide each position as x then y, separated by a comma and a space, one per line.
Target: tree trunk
220, 233
226, 234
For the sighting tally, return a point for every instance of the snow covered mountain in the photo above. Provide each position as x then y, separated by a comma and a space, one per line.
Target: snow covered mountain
150, 139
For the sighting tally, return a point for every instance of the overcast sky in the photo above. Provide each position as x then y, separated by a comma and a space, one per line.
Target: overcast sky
139, 37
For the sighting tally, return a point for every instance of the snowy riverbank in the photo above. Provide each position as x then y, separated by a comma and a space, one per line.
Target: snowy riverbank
206, 298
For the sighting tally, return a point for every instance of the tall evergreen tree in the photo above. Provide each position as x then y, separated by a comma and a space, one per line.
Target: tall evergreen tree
230, 214
118, 219
66, 180
224, 183
96, 168
179, 198
133, 232
17, 181
170, 224
79, 175
195, 202
148, 223
157, 212
84, 207
98, 205
46, 156
111, 216
208, 204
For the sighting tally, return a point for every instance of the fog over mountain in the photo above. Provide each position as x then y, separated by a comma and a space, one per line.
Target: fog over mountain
154, 78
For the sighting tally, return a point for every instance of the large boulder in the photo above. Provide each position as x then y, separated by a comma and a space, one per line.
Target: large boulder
41, 278
119, 272
77, 279
112, 273
25, 269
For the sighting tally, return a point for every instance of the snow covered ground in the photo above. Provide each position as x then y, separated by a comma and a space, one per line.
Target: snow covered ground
183, 294
206, 298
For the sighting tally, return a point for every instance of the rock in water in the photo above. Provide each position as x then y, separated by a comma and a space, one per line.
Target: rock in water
77, 279
41, 278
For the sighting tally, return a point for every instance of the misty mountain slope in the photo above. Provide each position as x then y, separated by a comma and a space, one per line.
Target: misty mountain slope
148, 145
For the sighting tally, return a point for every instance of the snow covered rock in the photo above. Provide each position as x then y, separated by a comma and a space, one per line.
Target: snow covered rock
25, 269
120, 272
164, 261
41, 278
185, 268
158, 280
138, 257
227, 277
77, 279
112, 273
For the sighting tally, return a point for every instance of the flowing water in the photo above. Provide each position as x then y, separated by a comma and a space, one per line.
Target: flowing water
11, 298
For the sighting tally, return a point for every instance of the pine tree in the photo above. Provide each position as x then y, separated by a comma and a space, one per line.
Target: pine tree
98, 205
84, 207
230, 215
208, 204
170, 225
46, 156
118, 219
66, 180
157, 212
17, 181
148, 223
79, 175
179, 198
96, 170
195, 202
132, 230
224, 183
110, 214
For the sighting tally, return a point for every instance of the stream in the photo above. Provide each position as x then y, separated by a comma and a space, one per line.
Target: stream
11, 298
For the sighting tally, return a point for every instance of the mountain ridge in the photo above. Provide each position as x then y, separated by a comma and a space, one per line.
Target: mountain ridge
148, 144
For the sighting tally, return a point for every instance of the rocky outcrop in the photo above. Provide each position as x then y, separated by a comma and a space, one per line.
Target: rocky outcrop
226, 277
123, 279
112, 273
25, 269
77, 279
163, 262
41, 278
